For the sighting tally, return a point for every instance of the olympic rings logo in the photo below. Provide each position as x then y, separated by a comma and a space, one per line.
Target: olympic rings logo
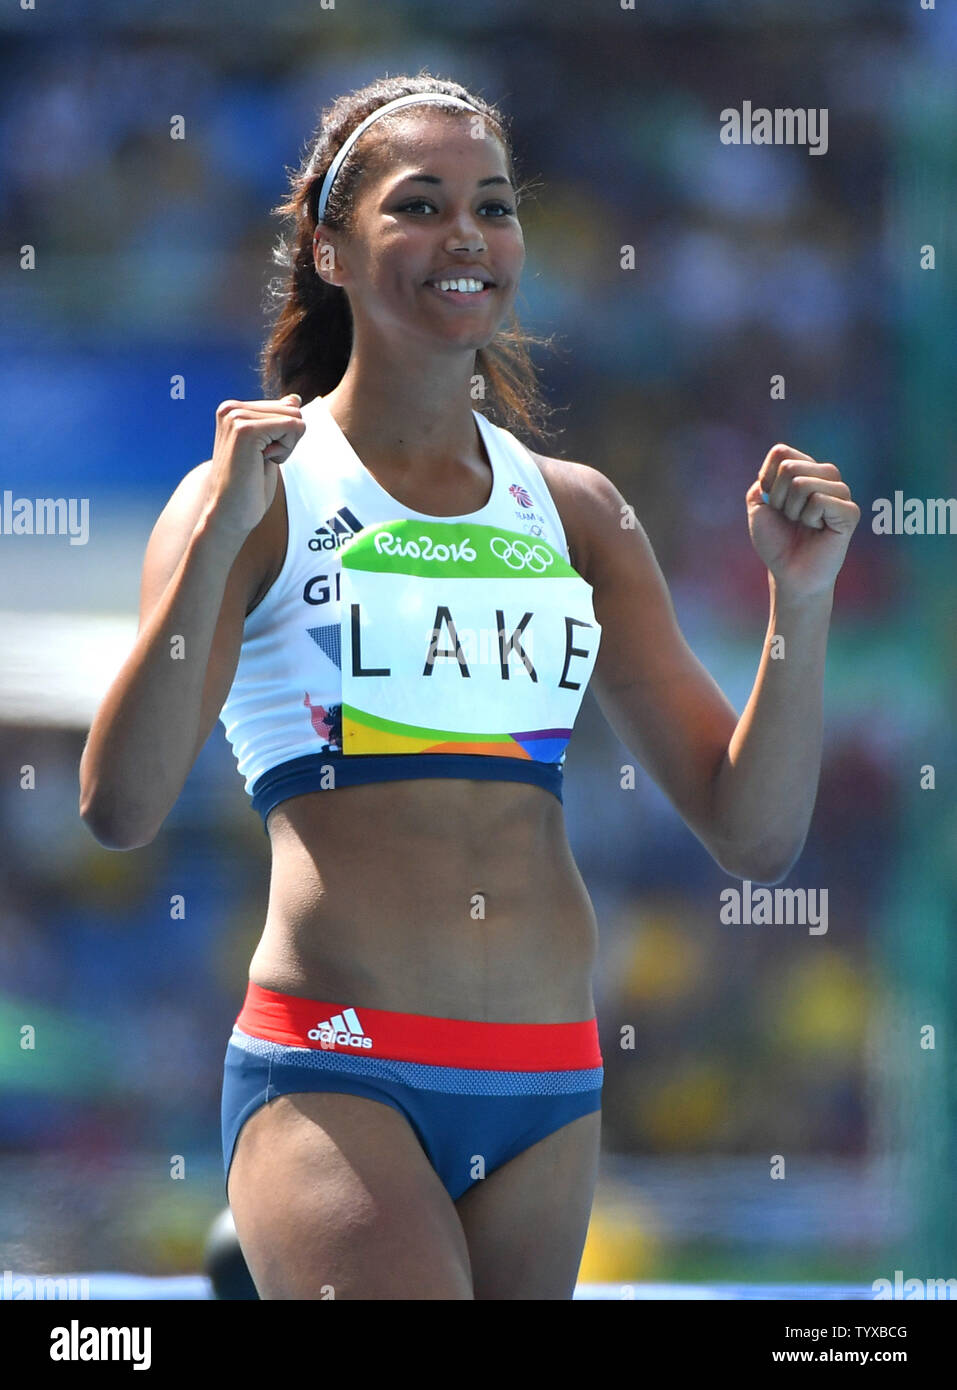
519, 555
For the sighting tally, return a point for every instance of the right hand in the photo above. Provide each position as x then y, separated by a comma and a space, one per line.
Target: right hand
252, 439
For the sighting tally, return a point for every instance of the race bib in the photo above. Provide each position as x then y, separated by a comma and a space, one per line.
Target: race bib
459, 638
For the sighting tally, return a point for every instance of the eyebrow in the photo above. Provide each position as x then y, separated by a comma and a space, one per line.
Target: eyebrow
432, 178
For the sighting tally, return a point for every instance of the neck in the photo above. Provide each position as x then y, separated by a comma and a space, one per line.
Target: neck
415, 414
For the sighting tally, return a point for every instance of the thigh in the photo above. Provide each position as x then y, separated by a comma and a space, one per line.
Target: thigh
526, 1222
333, 1196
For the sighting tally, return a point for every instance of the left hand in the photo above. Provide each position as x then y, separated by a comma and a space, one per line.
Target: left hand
803, 530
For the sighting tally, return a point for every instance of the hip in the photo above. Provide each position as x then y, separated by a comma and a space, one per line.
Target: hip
531, 968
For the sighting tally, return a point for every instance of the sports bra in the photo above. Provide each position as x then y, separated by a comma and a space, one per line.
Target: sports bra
393, 644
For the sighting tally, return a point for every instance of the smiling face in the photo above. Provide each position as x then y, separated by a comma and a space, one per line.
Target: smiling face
435, 205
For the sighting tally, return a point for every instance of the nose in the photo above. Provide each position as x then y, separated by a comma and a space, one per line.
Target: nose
465, 234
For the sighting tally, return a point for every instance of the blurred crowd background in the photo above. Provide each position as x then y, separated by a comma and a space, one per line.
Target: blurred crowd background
151, 260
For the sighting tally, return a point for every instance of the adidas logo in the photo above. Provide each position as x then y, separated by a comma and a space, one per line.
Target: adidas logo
335, 530
343, 1030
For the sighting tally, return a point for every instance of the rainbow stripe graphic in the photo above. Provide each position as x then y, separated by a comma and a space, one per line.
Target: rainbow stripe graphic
369, 733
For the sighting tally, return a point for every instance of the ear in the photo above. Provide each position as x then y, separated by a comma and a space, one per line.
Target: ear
325, 257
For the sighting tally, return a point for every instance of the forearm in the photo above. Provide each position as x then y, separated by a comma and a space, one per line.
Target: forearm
766, 786
142, 742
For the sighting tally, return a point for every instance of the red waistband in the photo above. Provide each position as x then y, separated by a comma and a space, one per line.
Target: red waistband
449, 1042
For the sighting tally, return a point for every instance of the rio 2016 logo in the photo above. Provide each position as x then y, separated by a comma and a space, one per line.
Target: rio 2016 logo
422, 549
517, 554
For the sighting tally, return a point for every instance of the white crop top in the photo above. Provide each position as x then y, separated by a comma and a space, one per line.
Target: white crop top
393, 644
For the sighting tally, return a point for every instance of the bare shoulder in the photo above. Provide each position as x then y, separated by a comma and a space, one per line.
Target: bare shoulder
588, 503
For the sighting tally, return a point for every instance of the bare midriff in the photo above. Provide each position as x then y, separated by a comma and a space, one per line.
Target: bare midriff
453, 898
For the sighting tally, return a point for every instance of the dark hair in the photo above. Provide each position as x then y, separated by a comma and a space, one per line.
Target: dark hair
310, 342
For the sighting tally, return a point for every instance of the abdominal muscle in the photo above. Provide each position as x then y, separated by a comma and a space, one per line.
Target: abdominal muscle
454, 898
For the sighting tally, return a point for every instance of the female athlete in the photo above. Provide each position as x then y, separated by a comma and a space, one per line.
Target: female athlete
396, 608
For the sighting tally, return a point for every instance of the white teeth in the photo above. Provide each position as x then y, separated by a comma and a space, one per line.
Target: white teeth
465, 286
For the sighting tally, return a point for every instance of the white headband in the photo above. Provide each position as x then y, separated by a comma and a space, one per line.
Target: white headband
350, 140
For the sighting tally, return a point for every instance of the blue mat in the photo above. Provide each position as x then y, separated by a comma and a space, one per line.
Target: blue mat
107, 1285
625, 1292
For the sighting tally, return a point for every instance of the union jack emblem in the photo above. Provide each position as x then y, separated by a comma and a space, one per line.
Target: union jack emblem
520, 495
325, 722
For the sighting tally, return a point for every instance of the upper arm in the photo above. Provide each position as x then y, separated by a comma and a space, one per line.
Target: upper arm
253, 565
655, 693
